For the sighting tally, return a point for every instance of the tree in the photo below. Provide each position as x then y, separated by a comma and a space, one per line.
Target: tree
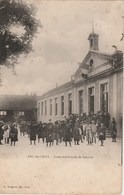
18, 26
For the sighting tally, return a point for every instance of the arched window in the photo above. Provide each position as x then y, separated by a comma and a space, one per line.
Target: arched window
91, 63
91, 43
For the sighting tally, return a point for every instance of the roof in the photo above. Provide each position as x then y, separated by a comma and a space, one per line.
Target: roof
67, 85
98, 53
17, 102
92, 34
92, 52
57, 89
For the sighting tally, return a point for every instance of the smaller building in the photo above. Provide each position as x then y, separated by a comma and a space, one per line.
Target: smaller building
18, 107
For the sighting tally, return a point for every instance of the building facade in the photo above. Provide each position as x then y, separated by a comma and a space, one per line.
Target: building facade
96, 86
18, 108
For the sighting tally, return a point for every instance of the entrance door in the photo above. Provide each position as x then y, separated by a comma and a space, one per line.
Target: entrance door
81, 103
92, 104
91, 100
104, 98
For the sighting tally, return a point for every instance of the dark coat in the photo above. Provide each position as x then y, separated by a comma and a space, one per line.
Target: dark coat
49, 133
113, 130
13, 134
33, 132
76, 134
23, 128
1, 132
67, 134
56, 132
44, 128
61, 131
40, 131
101, 132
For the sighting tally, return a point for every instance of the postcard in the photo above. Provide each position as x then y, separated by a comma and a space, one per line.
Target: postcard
61, 97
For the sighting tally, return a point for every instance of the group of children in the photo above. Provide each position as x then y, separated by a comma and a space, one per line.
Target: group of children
66, 131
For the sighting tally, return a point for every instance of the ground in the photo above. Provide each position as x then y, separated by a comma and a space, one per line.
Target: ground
82, 169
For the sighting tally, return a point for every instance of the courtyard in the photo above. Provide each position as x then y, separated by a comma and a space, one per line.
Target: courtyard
83, 169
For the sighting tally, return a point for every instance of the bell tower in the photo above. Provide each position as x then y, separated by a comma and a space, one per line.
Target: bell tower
93, 41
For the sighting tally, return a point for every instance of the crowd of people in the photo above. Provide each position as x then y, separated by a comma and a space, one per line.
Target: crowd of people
73, 129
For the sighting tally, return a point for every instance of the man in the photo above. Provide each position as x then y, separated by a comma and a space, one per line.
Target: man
102, 133
61, 130
56, 132
89, 133
1, 132
33, 133
83, 128
13, 134
39, 131
94, 132
76, 134
6, 129
113, 130
67, 133
49, 134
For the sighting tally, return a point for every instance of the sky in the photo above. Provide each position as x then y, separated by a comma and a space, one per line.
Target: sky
62, 43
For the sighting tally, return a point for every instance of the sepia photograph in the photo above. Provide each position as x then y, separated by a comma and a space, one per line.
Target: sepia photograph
61, 97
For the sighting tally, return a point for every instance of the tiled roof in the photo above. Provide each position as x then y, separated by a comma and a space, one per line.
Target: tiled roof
57, 89
17, 102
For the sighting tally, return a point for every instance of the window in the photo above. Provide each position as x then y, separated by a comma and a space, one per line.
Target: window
80, 103
91, 64
45, 107
38, 108
104, 98
91, 43
50, 107
91, 100
56, 106
3, 113
69, 103
21, 113
62, 105
42, 108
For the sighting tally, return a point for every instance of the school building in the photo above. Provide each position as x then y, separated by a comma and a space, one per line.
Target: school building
97, 85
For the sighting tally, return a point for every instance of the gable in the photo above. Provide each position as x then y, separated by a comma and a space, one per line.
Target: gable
94, 60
